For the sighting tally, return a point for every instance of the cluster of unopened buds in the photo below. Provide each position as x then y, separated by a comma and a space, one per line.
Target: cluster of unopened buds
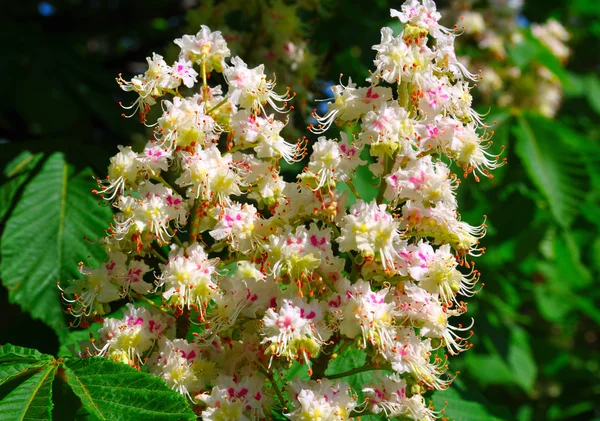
237, 273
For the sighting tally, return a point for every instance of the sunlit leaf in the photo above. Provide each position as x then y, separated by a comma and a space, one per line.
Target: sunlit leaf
552, 166
47, 234
114, 391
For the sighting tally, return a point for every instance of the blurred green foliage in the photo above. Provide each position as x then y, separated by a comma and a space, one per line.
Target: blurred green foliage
536, 348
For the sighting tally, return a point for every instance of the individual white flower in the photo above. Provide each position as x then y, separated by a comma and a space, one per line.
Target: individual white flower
411, 354
350, 103
263, 134
134, 278
398, 61
189, 278
122, 173
221, 405
182, 366
437, 272
182, 69
98, 287
209, 175
423, 14
126, 340
207, 47
150, 85
325, 400
236, 225
370, 314
294, 330
262, 180
250, 88
389, 130
435, 96
423, 180
388, 394
289, 254
153, 211
372, 231
247, 292
154, 159
184, 123
332, 161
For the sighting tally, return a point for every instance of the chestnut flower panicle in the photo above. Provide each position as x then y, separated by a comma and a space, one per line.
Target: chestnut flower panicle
241, 273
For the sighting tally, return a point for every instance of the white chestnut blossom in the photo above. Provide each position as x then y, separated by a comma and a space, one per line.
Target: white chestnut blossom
205, 47
245, 275
189, 278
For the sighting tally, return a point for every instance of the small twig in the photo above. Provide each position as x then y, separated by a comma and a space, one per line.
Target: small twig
161, 180
223, 101
172, 92
204, 81
158, 255
325, 280
175, 238
195, 221
271, 378
152, 303
389, 163
353, 189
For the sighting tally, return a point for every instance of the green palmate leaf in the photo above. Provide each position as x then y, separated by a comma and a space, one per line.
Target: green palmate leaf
15, 174
520, 359
66, 403
14, 370
488, 369
45, 237
30, 400
12, 353
592, 88
114, 391
571, 271
462, 406
553, 166
17, 362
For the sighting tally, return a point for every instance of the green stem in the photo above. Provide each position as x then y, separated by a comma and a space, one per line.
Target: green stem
217, 247
172, 92
389, 163
325, 280
231, 260
223, 101
152, 303
195, 221
362, 369
204, 81
403, 97
158, 255
235, 149
353, 189
157, 177
271, 378
175, 238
